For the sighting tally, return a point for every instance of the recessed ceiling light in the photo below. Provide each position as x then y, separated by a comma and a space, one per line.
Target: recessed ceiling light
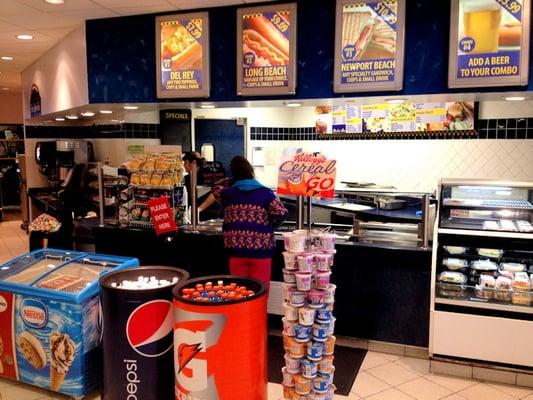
55, 1
87, 114
395, 101
6, 58
293, 104
25, 37
5, 88
130, 107
207, 106
60, 119
515, 98
106, 112
72, 116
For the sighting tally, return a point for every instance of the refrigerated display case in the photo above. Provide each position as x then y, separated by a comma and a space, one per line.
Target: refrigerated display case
482, 272
50, 323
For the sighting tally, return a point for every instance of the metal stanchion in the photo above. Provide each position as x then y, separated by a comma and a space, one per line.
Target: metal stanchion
425, 221
101, 199
309, 209
194, 200
299, 212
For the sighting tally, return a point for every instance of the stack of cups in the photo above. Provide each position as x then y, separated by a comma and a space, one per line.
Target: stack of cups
308, 321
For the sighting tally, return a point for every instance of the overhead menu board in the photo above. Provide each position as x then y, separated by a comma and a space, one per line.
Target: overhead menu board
266, 50
387, 118
489, 43
182, 55
369, 45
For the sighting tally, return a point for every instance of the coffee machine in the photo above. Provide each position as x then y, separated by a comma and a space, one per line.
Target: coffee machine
59, 158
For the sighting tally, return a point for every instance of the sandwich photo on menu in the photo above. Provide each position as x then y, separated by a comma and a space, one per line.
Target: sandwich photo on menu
263, 43
179, 49
372, 38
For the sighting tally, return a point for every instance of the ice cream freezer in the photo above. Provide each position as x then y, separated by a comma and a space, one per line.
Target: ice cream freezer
50, 321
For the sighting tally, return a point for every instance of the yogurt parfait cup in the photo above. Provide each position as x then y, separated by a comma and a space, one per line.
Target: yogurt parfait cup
314, 350
288, 327
329, 293
306, 316
297, 298
296, 349
329, 346
320, 332
303, 281
323, 315
315, 297
327, 241
290, 261
309, 369
320, 385
321, 279
286, 237
286, 288
302, 333
325, 366
290, 312
292, 364
322, 261
288, 377
305, 262
302, 385
297, 243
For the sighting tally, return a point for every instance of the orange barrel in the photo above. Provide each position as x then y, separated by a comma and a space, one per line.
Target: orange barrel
220, 339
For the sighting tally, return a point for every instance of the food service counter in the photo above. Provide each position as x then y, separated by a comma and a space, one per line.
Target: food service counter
383, 292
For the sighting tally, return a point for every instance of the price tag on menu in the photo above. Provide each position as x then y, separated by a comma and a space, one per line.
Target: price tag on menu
162, 215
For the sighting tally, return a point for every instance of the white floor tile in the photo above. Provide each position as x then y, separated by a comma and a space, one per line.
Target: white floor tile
366, 385
454, 396
393, 374
482, 391
516, 391
415, 365
452, 383
390, 394
422, 389
372, 360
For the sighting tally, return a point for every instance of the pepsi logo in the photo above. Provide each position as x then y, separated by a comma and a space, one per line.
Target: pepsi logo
34, 313
149, 328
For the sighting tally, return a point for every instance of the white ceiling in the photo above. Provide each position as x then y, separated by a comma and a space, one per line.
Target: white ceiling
49, 23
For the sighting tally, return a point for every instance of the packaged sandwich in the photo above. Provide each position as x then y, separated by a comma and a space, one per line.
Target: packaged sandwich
490, 253
455, 250
521, 281
452, 277
502, 289
512, 267
156, 178
484, 265
455, 263
144, 178
485, 288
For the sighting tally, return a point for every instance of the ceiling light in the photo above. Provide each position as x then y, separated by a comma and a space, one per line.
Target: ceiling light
207, 106
293, 104
60, 119
130, 107
5, 88
106, 112
395, 101
87, 114
72, 117
25, 37
6, 58
55, 1
515, 98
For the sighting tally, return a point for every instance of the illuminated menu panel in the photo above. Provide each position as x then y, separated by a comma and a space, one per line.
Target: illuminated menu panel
489, 43
182, 55
266, 50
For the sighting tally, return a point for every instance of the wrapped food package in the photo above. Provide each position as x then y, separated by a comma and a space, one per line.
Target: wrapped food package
502, 290
484, 265
490, 253
512, 267
455, 250
455, 263
45, 223
452, 277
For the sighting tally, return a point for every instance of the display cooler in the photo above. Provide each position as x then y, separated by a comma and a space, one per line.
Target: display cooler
50, 323
482, 272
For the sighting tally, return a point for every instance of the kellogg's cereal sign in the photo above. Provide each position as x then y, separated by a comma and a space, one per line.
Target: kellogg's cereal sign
307, 174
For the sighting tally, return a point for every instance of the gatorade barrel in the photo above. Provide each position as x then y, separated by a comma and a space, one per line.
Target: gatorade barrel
220, 339
137, 333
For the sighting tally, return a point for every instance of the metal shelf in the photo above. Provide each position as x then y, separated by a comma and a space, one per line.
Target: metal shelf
493, 234
485, 305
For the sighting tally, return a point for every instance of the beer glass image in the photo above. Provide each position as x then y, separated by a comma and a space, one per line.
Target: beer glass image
481, 22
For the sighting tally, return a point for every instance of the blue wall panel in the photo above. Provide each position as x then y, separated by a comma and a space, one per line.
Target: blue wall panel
122, 65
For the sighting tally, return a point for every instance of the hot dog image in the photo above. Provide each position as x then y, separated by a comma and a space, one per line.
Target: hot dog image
265, 41
510, 34
181, 47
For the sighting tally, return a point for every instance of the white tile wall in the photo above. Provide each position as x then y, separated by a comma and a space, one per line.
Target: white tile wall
412, 165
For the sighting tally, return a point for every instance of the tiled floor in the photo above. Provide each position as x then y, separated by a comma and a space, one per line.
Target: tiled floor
382, 376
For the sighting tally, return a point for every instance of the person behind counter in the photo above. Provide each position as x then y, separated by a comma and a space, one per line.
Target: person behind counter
207, 208
251, 211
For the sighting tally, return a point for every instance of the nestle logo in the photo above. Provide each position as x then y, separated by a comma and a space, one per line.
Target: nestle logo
34, 313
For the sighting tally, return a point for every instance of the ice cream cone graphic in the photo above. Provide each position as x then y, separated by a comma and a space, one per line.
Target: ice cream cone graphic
62, 353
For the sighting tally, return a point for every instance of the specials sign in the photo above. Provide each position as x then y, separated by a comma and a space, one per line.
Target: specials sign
489, 43
307, 174
369, 45
266, 50
182, 55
